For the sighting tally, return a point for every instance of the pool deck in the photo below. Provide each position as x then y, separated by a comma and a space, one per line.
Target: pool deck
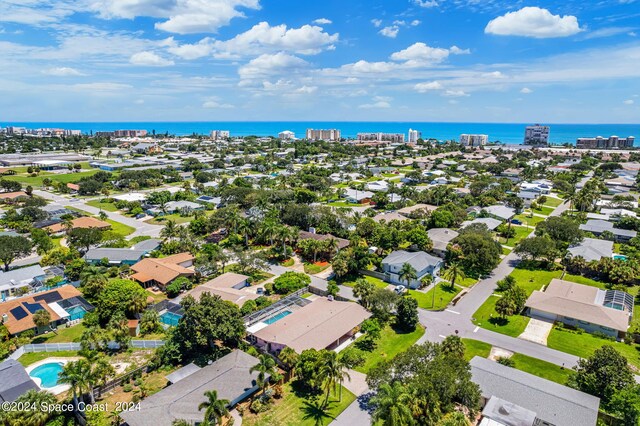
56, 389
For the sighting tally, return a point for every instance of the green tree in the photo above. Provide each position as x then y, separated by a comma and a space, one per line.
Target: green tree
289, 357
537, 247
407, 313
214, 409
13, 247
392, 405
27, 416
363, 290
84, 238
453, 346
290, 281
407, 274
334, 371
150, 322
121, 296
42, 318
625, 404
266, 367
454, 273
77, 374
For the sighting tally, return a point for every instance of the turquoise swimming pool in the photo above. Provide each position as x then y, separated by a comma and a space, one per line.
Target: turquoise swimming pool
48, 374
619, 257
169, 318
277, 318
76, 312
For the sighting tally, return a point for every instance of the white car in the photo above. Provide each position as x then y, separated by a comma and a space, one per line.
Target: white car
400, 289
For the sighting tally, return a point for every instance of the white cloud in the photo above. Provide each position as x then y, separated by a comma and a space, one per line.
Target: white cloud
262, 37
62, 72
34, 13
270, 64
420, 54
390, 32
493, 74
455, 93
533, 22
609, 32
427, 87
415, 22
455, 50
191, 51
323, 21
629, 102
182, 16
426, 3
526, 90
306, 89
103, 87
214, 104
375, 105
376, 22
149, 59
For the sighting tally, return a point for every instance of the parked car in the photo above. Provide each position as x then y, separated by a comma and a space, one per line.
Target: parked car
259, 290
516, 222
400, 289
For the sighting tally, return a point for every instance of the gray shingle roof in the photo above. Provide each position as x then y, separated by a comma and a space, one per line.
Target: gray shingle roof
114, 254
14, 380
592, 249
599, 226
20, 277
229, 376
553, 403
419, 259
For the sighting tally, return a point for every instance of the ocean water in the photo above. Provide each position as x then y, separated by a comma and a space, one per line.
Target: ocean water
510, 133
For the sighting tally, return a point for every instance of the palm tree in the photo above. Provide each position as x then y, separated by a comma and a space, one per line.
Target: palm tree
265, 366
170, 230
289, 357
407, 273
181, 422
268, 229
392, 405
334, 371
332, 246
244, 228
31, 398
137, 304
101, 369
215, 409
102, 215
454, 273
77, 374
284, 234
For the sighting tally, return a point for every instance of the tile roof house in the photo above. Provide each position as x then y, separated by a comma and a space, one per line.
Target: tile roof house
589, 308
592, 249
407, 211
17, 314
552, 403
305, 235
441, 237
14, 381
79, 222
12, 195
423, 263
162, 271
389, 216
230, 376
229, 286
597, 227
322, 324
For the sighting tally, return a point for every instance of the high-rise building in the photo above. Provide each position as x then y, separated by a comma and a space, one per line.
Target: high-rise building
123, 134
323, 135
602, 143
414, 135
381, 137
473, 140
286, 135
536, 135
219, 134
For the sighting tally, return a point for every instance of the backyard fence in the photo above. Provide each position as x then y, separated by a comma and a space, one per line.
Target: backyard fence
74, 346
112, 384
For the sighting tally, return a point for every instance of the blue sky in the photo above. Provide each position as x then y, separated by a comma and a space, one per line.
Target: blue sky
370, 60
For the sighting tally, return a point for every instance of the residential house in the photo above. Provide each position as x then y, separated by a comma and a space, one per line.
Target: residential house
230, 376
21, 278
14, 381
528, 197
582, 306
388, 217
500, 212
416, 209
311, 234
147, 148
598, 227
592, 249
230, 286
542, 186
161, 272
515, 398
424, 264
64, 303
356, 196
441, 237
489, 222
79, 222
12, 196
207, 200
321, 324
175, 207
378, 186
122, 256
73, 188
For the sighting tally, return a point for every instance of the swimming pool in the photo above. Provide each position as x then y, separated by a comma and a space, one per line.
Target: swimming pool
169, 318
48, 374
619, 257
76, 312
277, 318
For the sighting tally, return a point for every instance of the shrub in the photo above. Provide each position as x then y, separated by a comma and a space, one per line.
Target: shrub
290, 282
127, 387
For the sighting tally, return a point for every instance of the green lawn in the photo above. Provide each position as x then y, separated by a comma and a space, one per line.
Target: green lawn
161, 220
475, 348
468, 282
109, 207
534, 280
294, 409
389, 345
31, 357
64, 334
585, 344
553, 202
373, 280
344, 204
541, 368
521, 232
583, 280
36, 181
544, 210
528, 220
486, 317
121, 228
443, 296
505, 251
312, 268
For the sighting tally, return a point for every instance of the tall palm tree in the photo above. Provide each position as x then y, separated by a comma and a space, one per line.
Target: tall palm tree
101, 369
332, 246
334, 371
392, 404
407, 273
31, 398
454, 273
215, 409
170, 230
265, 366
289, 357
268, 229
77, 374
284, 234
244, 228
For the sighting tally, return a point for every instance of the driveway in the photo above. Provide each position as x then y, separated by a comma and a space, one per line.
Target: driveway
537, 331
